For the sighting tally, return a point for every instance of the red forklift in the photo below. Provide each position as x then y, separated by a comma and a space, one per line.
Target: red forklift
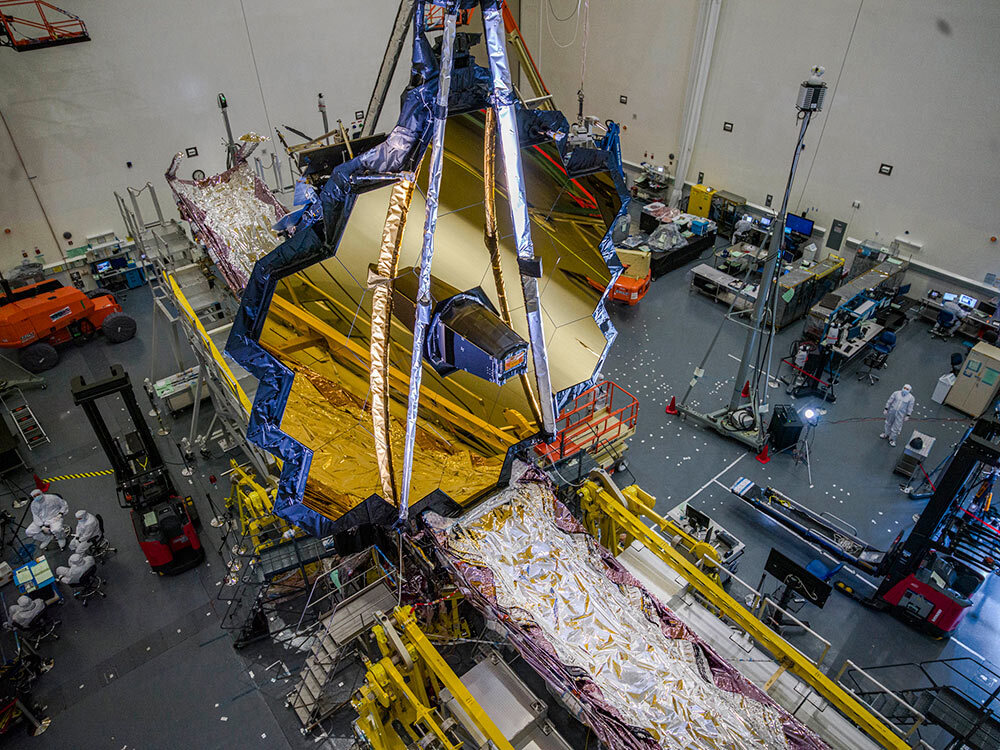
165, 522
929, 575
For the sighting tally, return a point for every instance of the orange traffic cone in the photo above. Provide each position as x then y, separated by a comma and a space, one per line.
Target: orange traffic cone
764, 456
672, 406
746, 390
41, 484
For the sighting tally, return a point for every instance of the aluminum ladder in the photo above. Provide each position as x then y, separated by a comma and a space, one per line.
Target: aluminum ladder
24, 418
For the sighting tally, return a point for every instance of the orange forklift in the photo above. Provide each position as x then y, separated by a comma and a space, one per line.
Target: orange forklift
36, 318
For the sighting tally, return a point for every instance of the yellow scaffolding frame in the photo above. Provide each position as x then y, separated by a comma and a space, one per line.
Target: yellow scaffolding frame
398, 687
614, 520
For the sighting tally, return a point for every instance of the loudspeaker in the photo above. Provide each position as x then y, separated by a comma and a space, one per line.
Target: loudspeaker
785, 427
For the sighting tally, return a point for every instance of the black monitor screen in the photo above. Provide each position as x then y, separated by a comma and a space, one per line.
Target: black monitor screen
798, 224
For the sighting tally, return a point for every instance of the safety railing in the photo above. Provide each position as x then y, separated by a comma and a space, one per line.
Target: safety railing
620, 524
223, 370
605, 413
881, 700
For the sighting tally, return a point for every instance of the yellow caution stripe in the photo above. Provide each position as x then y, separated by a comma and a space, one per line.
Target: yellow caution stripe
82, 475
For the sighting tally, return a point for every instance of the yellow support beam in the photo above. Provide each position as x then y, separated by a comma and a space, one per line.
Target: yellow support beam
603, 493
209, 345
439, 667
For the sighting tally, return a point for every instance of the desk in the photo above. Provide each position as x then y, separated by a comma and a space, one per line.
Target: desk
973, 325
36, 576
720, 286
850, 350
737, 258
664, 261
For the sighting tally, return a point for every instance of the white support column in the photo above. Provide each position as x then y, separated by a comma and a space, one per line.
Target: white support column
701, 61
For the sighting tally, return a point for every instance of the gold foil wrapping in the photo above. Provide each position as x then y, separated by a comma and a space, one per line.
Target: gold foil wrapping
388, 260
334, 423
553, 580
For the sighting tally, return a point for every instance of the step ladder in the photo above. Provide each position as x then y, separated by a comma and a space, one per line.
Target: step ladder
312, 700
24, 418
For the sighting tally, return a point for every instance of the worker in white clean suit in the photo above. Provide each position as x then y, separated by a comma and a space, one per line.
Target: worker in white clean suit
897, 410
25, 611
47, 511
798, 374
956, 309
88, 530
79, 566
741, 228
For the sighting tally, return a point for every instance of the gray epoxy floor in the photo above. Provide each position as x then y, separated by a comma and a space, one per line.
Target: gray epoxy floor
660, 342
148, 667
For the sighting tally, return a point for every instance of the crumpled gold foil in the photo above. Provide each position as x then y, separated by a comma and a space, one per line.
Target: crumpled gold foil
555, 581
388, 260
324, 416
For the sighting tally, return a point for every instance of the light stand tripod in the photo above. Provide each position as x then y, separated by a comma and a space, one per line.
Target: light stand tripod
811, 418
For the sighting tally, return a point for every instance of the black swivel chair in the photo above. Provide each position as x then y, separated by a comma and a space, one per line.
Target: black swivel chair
41, 629
100, 548
89, 586
878, 357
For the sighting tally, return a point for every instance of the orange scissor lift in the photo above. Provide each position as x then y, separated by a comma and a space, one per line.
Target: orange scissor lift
599, 421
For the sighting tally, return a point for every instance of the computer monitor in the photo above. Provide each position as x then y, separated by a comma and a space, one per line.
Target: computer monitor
104, 266
764, 221
798, 224
949, 297
968, 301
987, 308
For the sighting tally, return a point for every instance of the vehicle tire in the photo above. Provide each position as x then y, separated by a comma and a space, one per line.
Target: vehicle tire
38, 357
118, 327
101, 292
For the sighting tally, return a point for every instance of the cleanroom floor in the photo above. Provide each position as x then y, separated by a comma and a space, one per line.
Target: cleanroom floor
148, 667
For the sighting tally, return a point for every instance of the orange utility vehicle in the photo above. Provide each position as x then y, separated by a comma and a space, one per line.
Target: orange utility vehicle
34, 319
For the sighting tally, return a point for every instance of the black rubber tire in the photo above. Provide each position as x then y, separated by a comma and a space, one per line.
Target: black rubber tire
38, 357
101, 292
118, 327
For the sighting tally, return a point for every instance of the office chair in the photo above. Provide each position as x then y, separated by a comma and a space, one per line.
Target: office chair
990, 336
42, 628
100, 548
89, 586
946, 324
885, 342
957, 358
874, 360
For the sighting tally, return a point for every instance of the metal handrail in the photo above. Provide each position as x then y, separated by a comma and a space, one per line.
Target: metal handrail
795, 621
853, 668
